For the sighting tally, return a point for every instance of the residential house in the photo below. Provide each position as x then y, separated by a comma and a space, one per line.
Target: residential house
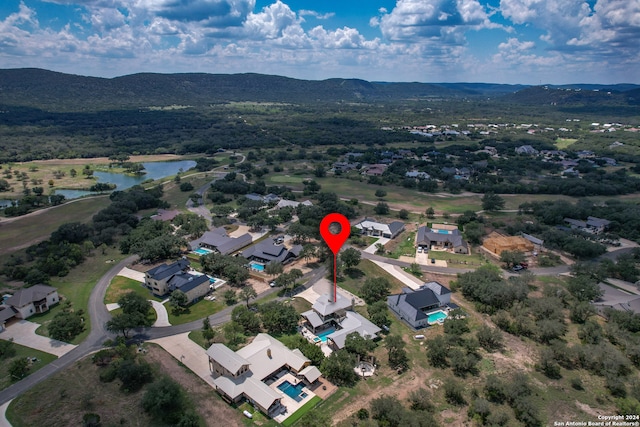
6, 313
165, 215
526, 150
266, 252
591, 225
375, 170
253, 372
496, 243
292, 204
537, 243
417, 175
326, 313
414, 306
26, 302
217, 240
449, 240
373, 228
344, 166
166, 278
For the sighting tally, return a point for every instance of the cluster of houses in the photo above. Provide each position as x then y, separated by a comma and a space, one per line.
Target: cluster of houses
26, 302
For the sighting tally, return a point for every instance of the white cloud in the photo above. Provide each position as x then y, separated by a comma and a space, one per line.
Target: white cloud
317, 15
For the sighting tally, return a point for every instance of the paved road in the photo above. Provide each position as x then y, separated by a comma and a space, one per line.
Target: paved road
99, 316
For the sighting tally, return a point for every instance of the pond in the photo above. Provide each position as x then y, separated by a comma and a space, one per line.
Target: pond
155, 170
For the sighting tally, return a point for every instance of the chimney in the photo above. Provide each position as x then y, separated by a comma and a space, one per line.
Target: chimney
269, 353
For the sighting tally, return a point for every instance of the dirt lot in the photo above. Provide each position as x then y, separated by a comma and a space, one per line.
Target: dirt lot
63, 399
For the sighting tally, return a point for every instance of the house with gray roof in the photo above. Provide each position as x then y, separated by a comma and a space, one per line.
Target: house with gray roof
591, 225
164, 279
327, 313
218, 241
26, 302
414, 306
371, 227
252, 372
266, 252
450, 240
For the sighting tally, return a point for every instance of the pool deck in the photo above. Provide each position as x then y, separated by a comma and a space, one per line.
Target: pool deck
291, 404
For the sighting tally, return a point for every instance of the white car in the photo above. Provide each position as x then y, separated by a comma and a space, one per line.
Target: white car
419, 249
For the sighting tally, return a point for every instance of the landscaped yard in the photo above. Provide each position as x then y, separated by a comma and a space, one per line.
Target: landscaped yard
459, 259
121, 285
403, 245
353, 280
199, 310
22, 352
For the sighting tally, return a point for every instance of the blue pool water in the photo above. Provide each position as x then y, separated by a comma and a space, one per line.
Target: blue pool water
438, 315
202, 251
256, 266
323, 335
293, 391
442, 231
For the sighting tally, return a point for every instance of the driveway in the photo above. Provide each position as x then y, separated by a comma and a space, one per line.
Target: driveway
397, 272
162, 317
132, 274
189, 353
324, 286
23, 332
372, 248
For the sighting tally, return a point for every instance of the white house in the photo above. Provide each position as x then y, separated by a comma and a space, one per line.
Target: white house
29, 301
373, 228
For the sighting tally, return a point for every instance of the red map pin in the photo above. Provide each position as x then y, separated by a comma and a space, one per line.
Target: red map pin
335, 241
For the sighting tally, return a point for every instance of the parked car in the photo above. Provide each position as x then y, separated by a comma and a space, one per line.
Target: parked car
419, 249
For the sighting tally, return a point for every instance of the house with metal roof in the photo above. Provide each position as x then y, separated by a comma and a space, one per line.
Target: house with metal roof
252, 373
450, 240
326, 313
217, 240
371, 227
414, 306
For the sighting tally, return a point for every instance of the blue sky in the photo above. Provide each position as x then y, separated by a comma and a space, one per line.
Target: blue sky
498, 41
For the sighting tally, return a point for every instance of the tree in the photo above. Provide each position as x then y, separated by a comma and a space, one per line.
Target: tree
584, 287
387, 410
320, 171
489, 338
179, 301
375, 289
378, 313
512, 258
431, 214
134, 374
123, 323
339, 368
229, 296
403, 214
279, 318
437, 351
233, 333
358, 345
453, 392
380, 193
246, 318
7, 349
236, 274
308, 252
132, 303
207, 332
164, 400
65, 326
186, 186
247, 292
350, 257
19, 368
274, 268
381, 208
397, 355
492, 202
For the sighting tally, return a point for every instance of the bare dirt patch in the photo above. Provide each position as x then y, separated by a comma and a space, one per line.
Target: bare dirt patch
208, 403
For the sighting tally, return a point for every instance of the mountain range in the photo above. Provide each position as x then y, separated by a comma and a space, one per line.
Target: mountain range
53, 91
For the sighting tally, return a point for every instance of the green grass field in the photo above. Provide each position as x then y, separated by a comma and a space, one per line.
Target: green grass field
199, 310
21, 351
77, 287
353, 280
121, 285
302, 411
563, 143
36, 228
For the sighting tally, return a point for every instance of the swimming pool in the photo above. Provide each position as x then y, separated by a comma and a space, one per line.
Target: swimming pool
202, 251
441, 231
323, 335
256, 266
436, 316
293, 391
